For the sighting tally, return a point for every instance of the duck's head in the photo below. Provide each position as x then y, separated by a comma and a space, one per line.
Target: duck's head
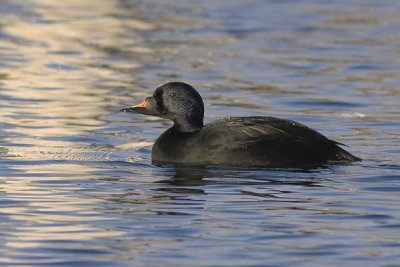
175, 101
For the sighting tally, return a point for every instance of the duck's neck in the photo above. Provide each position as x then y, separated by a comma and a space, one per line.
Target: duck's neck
188, 124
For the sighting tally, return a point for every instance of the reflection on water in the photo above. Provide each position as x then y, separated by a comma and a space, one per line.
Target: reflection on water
77, 185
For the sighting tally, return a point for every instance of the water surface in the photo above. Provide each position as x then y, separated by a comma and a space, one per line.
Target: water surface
77, 186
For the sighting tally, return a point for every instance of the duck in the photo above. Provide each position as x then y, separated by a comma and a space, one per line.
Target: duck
261, 141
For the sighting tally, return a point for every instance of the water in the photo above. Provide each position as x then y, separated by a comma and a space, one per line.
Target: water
77, 186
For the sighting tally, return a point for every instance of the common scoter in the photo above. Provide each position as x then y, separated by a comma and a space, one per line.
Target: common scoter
247, 141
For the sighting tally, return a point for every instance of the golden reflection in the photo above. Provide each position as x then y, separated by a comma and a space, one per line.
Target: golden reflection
57, 87
55, 211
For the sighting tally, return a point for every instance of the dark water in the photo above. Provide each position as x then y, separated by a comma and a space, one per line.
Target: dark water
77, 186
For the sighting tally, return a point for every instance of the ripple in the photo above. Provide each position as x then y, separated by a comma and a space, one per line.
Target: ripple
77, 186
62, 67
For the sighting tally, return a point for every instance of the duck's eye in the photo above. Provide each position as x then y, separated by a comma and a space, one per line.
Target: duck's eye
172, 95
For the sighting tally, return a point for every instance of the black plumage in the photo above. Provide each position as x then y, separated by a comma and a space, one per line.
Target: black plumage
249, 141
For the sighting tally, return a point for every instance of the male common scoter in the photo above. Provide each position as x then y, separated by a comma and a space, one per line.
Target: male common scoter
250, 141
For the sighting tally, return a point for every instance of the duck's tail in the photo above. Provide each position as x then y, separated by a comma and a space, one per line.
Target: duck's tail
343, 155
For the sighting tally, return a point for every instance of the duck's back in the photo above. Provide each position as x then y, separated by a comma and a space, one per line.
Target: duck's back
259, 141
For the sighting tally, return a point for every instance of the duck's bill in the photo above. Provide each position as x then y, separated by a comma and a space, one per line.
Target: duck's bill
142, 108
132, 110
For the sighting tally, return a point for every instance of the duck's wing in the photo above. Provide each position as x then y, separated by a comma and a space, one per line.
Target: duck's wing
264, 141
253, 129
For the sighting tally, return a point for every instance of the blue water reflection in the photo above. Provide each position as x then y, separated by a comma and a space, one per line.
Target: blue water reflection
77, 186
